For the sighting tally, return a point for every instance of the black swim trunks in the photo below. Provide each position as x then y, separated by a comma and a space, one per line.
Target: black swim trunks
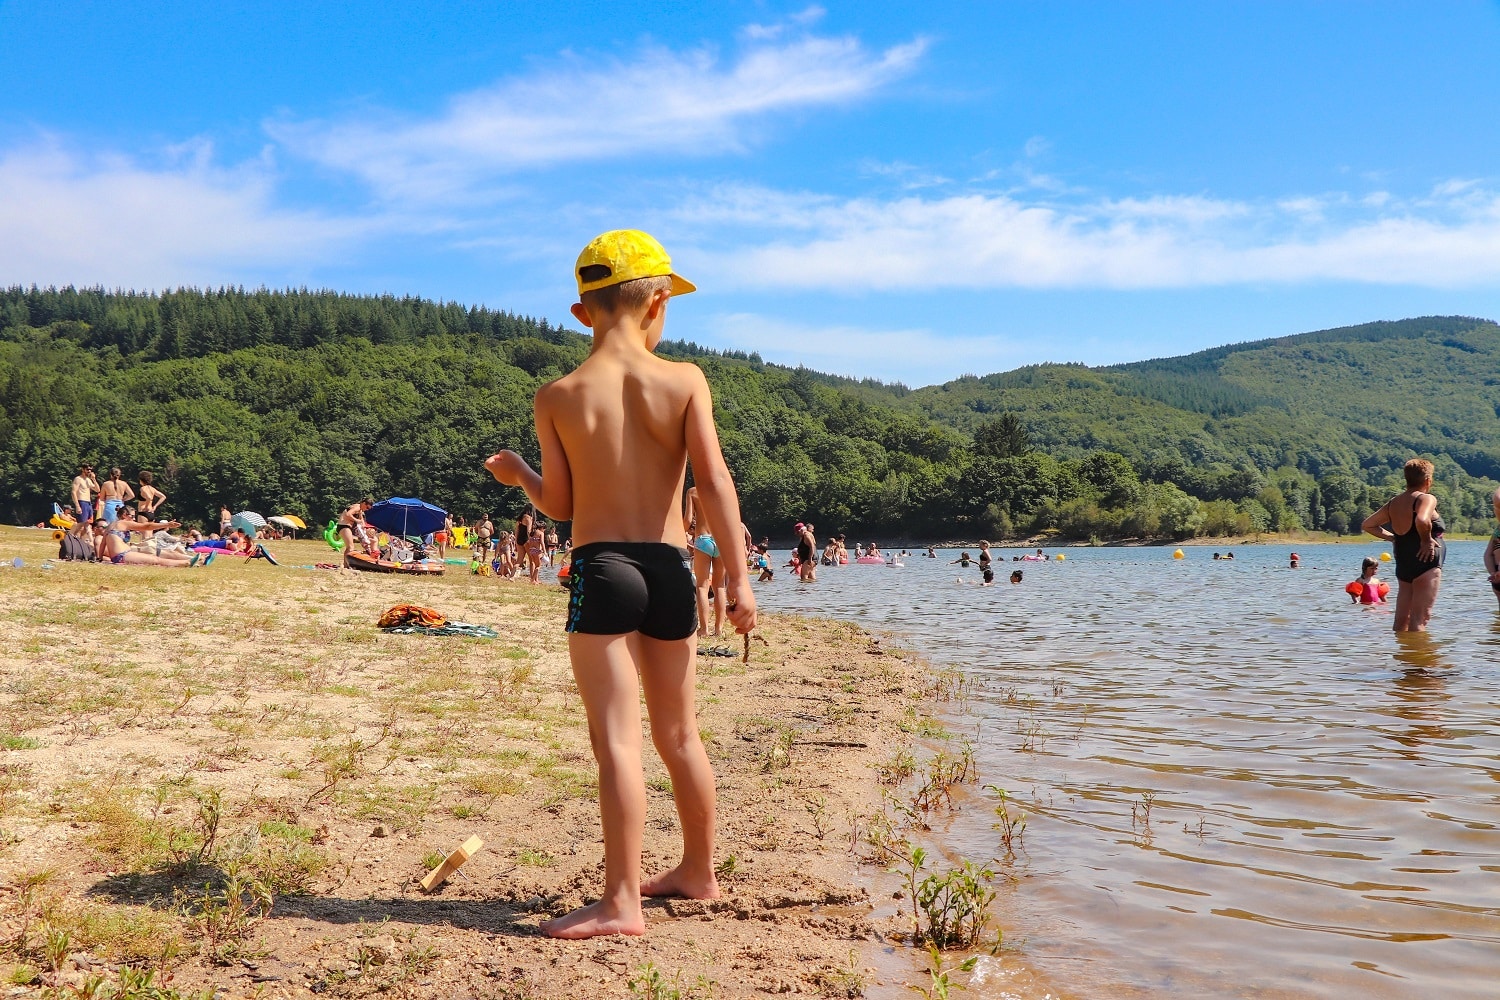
620, 587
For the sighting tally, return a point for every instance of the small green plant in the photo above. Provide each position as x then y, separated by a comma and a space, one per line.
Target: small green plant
648, 982
432, 859
57, 947
18, 743
818, 809
847, 980
535, 857
955, 906
1140, 812
224, 916
898, 768
24, 975
940, 982
779, 752
727, 868
1012, 822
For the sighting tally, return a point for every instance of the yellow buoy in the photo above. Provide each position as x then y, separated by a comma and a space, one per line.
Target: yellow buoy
1385, 557
1061, 557
1178, 555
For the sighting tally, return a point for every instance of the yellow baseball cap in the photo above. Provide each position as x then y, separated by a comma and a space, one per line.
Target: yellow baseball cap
624, 255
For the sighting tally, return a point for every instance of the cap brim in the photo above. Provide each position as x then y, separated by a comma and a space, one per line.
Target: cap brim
681, 286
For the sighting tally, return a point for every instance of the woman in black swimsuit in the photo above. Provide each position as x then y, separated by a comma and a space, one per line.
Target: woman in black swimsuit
1410, 522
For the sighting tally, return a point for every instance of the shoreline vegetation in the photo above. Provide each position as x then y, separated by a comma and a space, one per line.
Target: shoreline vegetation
228, 777
299, 401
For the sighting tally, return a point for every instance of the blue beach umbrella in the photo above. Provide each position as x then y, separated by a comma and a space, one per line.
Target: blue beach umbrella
406, 516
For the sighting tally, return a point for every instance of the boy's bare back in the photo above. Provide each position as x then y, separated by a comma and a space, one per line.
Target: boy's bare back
621, 421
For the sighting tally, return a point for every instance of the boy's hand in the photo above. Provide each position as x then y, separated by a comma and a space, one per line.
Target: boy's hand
507, 467
739, 603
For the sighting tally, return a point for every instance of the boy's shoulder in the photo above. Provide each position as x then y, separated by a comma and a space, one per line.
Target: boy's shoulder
683, 373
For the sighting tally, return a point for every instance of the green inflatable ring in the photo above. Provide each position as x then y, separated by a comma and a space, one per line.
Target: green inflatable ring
331, 536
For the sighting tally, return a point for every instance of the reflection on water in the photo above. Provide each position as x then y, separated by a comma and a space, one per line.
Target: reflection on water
1238, 783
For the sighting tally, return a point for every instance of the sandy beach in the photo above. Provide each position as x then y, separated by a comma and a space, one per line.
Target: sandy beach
169, 732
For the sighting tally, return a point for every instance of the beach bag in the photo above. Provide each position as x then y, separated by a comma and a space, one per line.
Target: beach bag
75, 549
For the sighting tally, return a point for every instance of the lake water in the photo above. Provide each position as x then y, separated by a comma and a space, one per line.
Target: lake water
1324, 797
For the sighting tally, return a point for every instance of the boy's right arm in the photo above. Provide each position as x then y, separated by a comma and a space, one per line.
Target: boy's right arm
551, 493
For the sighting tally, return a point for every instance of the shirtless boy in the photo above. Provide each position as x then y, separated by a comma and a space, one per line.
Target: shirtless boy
615, 437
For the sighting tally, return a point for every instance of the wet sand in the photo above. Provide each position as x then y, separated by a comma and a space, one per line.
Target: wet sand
164, 729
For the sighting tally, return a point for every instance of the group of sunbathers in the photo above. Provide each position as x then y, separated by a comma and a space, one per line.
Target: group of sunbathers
121, 527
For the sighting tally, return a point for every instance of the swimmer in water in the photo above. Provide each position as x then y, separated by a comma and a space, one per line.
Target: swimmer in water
962, 560
989, 577
1295, 561
1015, 576
1370, 594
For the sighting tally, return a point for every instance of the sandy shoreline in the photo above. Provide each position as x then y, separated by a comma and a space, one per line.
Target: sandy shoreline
144, 708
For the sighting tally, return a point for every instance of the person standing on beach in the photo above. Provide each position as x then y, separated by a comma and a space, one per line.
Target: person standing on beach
708, 567
616, 435
351, 524
1410, 522
84, 485
151, 497
114, 493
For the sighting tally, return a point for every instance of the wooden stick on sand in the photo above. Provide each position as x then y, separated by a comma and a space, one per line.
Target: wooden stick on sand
452, 863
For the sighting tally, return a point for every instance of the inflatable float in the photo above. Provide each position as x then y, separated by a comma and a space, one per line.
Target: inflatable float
369, 564
1367, 594
870, 561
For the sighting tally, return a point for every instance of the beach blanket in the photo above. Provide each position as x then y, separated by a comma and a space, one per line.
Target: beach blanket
451, 628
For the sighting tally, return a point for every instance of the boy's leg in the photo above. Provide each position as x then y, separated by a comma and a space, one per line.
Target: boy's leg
669, 676
609, 686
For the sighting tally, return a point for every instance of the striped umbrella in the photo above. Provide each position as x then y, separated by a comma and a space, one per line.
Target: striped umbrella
248, 521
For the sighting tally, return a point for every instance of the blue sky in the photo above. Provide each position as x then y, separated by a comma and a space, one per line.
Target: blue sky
904, 191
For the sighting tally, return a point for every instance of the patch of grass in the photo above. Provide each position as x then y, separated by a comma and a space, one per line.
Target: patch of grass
18, 743
535, 857
402, 808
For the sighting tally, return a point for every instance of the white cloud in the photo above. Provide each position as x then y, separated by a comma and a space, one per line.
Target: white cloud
801, 241
914, 356
108, 220
657, 102
1037, 145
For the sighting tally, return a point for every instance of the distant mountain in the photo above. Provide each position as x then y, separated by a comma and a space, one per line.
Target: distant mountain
1355, 398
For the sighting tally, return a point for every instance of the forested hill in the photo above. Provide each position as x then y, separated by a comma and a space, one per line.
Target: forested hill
1361, 398
298, 401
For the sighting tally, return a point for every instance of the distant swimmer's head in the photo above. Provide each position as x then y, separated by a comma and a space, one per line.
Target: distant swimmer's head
1418, 472
624, 271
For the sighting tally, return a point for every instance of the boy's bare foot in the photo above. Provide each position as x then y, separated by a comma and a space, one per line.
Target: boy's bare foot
681, 885
595, 920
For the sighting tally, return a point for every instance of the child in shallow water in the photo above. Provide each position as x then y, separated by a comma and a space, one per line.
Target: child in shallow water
1370, 594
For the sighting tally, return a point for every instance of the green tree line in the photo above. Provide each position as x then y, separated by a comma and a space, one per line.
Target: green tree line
297, 401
